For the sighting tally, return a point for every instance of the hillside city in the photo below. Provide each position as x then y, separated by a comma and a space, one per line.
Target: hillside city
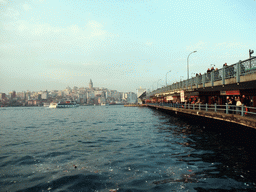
83, 95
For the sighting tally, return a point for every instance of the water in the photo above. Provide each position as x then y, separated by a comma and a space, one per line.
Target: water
116, 148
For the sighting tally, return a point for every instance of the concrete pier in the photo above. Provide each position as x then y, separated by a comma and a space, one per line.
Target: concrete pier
230, 118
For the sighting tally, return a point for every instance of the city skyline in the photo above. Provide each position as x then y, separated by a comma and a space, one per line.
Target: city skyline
82, 95
122, 45
88, 87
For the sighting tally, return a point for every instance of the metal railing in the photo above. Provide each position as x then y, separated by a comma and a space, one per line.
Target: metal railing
228, 109
232, 71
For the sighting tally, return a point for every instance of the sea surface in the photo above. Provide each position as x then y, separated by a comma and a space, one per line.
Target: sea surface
117, 148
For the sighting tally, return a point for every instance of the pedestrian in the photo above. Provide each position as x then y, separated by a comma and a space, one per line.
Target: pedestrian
246, 102
229, 105
238, 105
216, 74
225, 66
208, 74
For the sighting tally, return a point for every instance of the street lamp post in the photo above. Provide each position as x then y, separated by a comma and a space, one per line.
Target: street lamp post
157, 82
187, 62
166, 76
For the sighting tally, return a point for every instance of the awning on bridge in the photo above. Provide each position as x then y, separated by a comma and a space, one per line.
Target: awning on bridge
191, 94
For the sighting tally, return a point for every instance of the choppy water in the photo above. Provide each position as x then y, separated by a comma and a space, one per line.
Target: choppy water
96, 148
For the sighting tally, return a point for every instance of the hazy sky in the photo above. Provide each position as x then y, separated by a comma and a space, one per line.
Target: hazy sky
119, 44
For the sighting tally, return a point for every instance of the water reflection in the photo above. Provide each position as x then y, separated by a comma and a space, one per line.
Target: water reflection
228, 152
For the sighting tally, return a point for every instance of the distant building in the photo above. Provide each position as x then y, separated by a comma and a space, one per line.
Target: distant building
12, 94
98, 93
39, 97
2, 96
60, 93
90, 84
45, 95
101, 100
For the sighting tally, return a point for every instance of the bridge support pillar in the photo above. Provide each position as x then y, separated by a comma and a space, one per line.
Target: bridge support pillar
223, 75
238, 71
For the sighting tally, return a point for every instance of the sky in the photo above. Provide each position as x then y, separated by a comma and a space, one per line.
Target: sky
120, 44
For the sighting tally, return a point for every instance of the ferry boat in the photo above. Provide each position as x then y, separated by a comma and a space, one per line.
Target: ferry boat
67, 104
46, 104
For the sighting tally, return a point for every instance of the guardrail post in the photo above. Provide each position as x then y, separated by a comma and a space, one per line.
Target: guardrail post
242, 110
212, 77
193, 106
215, 107
238, 71
226, 108
188, 106
223, 75
197, 81
206, 107
199, 106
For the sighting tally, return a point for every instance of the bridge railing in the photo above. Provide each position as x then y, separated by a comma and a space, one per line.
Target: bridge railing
228, 109
231, 71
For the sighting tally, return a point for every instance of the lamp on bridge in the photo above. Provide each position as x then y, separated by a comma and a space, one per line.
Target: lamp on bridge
187, 62
250, 55
157, 83
166, 76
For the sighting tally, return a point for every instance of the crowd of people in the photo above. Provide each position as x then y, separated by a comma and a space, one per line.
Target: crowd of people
229, 72
234, 102
237, 102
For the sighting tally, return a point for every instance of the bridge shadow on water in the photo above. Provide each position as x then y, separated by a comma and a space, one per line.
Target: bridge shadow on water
229, 147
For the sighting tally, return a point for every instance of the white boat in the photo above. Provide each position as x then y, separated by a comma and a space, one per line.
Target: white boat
103, 104
46, 104
67, 104
53, 105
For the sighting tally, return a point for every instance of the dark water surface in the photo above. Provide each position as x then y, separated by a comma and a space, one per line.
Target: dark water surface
99, 148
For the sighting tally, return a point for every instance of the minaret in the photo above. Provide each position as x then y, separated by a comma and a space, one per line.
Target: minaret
90, 84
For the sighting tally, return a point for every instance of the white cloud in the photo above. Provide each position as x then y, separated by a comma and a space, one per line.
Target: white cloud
231, 45
27, 7
38, 1
198, 46
3, 2
95, 28
148, 43
91, 30
11, 13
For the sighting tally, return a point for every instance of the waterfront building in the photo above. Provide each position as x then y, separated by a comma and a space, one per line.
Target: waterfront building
12, 94
2, 96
